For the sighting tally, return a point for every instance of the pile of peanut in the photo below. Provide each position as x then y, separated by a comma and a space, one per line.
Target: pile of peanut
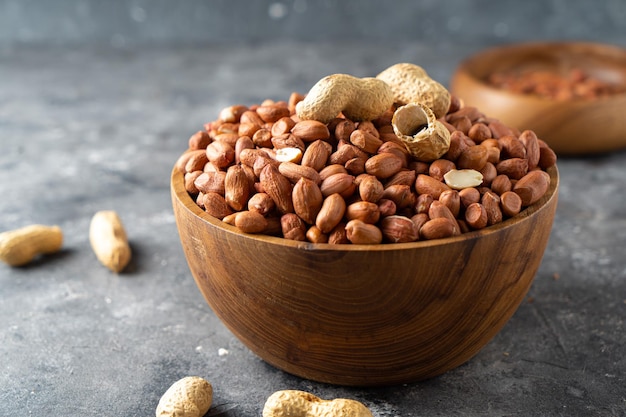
262, 170
573, 84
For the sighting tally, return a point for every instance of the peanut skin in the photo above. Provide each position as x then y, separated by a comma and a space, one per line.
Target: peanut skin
19, 247
108, 240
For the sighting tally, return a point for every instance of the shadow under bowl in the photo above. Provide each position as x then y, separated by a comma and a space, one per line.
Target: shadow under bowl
364, 315
571, 127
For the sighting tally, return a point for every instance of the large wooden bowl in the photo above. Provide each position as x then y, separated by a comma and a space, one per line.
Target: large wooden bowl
364, 315
574, 127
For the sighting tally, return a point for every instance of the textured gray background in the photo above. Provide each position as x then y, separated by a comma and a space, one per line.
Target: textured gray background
123, 22
98, 99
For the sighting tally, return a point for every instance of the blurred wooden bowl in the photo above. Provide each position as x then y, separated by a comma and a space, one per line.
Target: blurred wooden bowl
364, 315
572, 127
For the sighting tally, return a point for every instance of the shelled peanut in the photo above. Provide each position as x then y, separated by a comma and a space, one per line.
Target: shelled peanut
264, 170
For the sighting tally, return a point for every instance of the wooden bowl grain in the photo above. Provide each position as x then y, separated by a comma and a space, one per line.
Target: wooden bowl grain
572, 127
364, 315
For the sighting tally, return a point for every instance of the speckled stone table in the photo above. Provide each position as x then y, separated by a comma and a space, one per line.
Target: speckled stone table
91, 128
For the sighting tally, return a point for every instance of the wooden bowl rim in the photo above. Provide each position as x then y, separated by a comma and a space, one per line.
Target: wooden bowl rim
181, 194
467, 66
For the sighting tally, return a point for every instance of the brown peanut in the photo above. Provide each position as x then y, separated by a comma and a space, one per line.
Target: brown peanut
277, 187
364, 211
316, 155
370, 189
532, 186
476, 216
293, 227
428, 185
361, 233
399, 229
511, 203
236, 187
491, 203
307, 199
330, 214
383, 165
250, 222
438, 228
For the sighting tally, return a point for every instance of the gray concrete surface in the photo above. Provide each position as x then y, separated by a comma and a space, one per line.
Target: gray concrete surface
90, 128
98, 99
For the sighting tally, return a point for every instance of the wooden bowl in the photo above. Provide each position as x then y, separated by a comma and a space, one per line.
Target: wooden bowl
364, 315
574, 127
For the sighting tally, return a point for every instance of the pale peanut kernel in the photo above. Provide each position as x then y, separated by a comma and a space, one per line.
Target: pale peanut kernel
459, 179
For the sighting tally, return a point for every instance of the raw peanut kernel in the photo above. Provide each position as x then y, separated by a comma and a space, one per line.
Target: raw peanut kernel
364, 211
438, 228
199, 140
293, 227
511, 203
511, 147
423, 202
428, 185
236, 187
474, 157
361, 233
282, 126
277, 187
196, 161
293, 155
401, 195
459, 179
452, 200
315, 235
293, 172
469, 196
250, 222
370, 189
338, 235
216, 205
365, 141
419, 220
383, 165
547, 157
261, 202
344, 129
491, 202
479, 132
332, 211
489, 172
310, 130
316, 155
514, 168
439, 168
399, 229
501, 184
438, 209
476, 216
211, 182
221, 154
307, 199
532, 187
531, 143
338, 183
